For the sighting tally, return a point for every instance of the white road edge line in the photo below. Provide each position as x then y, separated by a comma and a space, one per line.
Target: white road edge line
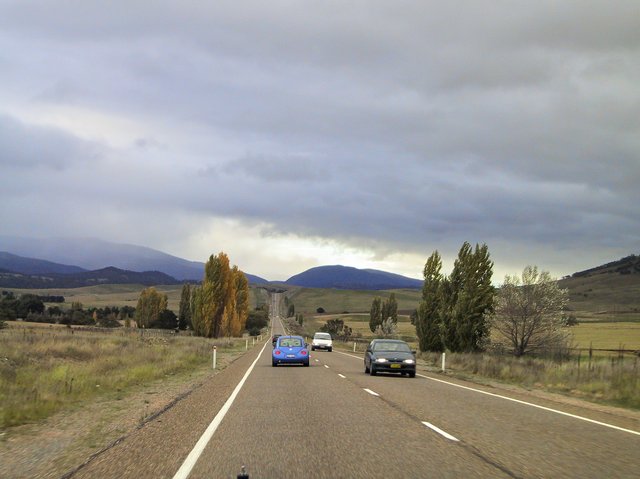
525, 403
440, 431
373, 393
193, 456
342, 376
544, 408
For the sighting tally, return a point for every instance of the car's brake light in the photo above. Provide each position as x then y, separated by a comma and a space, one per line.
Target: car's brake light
303, 352
276, 352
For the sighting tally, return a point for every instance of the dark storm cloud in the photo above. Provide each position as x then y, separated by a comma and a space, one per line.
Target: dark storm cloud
402, 126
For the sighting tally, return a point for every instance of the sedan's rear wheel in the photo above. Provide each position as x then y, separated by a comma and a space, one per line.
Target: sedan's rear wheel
373, 370
366, 368
412, 374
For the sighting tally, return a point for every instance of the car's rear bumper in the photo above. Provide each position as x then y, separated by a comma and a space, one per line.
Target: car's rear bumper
394, 368
322, 346
298, 360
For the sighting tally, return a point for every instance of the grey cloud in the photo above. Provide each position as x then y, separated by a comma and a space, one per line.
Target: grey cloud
27, 146
395, 126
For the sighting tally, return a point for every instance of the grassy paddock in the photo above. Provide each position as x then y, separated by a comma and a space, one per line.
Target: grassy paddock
45, 370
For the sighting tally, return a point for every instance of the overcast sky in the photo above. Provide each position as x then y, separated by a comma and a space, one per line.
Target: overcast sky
292, 134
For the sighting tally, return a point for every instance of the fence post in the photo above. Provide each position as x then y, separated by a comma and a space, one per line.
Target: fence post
246, 344
443, 361
354, 346
215, 354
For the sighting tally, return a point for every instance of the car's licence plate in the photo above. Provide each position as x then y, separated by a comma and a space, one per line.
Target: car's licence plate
396, 366
291, 355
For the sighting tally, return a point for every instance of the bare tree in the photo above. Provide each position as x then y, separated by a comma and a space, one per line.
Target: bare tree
528, 311
388, 328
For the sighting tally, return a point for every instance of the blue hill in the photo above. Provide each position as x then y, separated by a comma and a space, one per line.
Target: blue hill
345, 277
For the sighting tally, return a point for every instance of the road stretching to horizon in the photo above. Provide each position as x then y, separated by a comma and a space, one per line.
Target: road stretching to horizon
331, 420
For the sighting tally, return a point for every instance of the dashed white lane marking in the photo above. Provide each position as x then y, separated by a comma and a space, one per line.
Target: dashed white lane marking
373, 393
317, 360
440, 431
193, 456
326, 366
342, 376
525, 403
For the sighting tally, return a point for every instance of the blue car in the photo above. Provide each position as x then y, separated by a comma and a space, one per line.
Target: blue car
290, 350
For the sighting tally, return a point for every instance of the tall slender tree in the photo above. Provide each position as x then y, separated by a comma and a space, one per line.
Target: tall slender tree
375, 314
184, 311
428, 320
467, 300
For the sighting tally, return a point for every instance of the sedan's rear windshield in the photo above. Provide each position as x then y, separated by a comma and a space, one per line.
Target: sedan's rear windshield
398, 347
322, 336
291, 342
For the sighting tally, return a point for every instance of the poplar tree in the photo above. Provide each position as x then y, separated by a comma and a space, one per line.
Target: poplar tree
221, 306
184, 311
474, 298
242, 301
428, 320
375, 314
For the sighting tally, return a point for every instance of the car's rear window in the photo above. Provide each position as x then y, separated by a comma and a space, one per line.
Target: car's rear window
322, 336
398, 347
291, 342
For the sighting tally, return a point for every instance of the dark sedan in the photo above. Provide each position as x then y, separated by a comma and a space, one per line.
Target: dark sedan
389, 356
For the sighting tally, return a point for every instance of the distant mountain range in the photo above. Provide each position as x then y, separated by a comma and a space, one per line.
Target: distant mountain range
82, 262
94, 254
109, 275
71, 262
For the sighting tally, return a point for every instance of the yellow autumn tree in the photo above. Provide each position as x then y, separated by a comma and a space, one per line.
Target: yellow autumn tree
150, 304
220, 307
241, 286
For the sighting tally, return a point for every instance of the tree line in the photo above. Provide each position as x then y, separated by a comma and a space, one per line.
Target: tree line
458, 312
31, 307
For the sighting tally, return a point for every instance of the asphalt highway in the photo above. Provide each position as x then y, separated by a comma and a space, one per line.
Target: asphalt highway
331, 420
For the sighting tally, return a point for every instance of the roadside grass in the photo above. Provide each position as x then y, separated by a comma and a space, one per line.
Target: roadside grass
612, 380
43, 371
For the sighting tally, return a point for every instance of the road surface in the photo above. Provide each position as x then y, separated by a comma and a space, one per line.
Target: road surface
331, 420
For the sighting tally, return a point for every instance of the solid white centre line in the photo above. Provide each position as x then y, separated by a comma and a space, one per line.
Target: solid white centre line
373, 393
440, 431
342, 376
326, 366
193, 456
